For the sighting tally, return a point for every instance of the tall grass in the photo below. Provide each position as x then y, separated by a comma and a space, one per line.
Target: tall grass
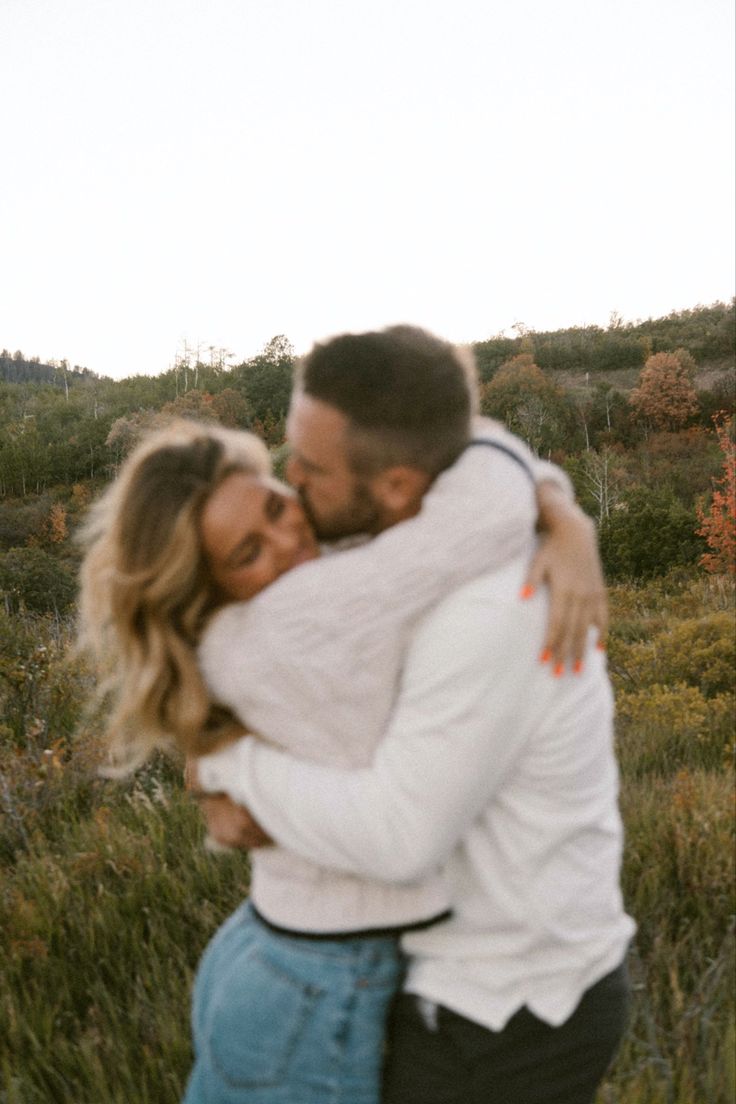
108, 897
672, 662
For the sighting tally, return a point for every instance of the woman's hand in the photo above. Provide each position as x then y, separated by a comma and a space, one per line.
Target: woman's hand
228, 824
231, 825
569, 563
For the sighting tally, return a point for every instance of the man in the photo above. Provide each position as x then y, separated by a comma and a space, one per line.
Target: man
490, 767
364, 405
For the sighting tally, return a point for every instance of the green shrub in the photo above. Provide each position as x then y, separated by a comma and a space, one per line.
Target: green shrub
696, 651
648, 533
661, 729
34, 579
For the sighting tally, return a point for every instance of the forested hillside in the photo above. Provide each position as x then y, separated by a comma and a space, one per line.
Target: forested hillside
108, 895
706, 332
628, 410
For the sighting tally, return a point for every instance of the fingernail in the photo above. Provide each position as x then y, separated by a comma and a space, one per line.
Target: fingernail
577, 666
546, 656
559, 670
526, 591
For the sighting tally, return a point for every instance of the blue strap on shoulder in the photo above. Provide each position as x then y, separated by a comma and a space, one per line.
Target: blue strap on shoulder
487, 442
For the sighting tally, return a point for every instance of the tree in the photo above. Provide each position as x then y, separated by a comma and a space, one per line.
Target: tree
23, 521
521, 396
685, 462
665, 397
266, 379
598, 477
270, 429
718, 525
193, 404
56, 525
232, 409
721, 395
646, 534
687, 362
125, 433
37, 580
23, 457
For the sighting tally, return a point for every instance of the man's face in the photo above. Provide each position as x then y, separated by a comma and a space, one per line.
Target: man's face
337, 502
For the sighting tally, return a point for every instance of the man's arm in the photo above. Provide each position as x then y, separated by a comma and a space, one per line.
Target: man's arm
455, 734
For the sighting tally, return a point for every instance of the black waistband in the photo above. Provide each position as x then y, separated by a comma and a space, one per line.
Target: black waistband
362, 933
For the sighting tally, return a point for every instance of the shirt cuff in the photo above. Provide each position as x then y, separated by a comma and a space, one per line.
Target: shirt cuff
226, 770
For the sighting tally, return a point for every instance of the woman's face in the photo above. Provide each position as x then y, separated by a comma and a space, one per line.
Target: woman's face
253, 530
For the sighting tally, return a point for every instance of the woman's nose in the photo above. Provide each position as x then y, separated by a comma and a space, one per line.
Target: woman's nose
285, 535
294, 472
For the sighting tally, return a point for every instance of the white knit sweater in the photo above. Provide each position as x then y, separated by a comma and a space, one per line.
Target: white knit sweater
312, 663
501, 773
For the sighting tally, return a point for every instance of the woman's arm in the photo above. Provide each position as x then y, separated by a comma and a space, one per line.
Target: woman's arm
567, 562
472, 699
337, 628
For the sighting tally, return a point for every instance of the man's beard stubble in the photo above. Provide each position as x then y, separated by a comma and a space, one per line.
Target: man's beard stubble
360, 515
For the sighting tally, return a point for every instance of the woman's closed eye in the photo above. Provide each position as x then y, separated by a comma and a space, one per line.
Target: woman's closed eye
247, 553
252, 532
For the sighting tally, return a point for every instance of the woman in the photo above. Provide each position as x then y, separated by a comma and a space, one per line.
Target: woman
291, 995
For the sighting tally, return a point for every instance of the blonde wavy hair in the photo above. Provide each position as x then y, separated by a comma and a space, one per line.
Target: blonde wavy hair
146, 590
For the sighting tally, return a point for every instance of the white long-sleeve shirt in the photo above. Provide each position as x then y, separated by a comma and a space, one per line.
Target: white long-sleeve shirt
497, 771
312, 664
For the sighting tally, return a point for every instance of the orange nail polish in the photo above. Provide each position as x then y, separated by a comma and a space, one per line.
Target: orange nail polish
559, 670
578, 666
601, 646
546, 656
526, 591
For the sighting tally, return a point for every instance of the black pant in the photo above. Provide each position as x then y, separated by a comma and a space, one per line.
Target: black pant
527, 1062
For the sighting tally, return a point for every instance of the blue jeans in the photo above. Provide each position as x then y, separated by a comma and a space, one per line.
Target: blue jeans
282, 1019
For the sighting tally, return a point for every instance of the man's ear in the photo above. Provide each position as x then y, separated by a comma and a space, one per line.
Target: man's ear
399, 489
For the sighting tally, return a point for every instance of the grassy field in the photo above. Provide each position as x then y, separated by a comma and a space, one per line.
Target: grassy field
108, 897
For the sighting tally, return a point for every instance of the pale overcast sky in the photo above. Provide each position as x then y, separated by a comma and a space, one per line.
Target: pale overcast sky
227, 170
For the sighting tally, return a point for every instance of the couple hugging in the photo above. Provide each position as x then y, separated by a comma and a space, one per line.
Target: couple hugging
415, 742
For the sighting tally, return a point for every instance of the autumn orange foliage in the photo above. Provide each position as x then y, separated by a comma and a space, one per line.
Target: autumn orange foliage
57, 527
665, 397
718, 524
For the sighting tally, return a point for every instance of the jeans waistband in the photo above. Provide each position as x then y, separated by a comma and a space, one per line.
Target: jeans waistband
344, 936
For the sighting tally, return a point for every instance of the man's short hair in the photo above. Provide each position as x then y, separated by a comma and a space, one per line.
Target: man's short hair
409, 396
